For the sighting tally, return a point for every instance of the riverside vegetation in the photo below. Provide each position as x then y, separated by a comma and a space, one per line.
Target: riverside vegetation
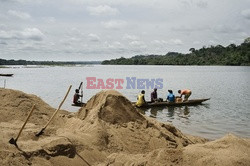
214, 55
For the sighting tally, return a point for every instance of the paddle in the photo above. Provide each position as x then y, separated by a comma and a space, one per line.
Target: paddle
42, 130
12, 140
80, 87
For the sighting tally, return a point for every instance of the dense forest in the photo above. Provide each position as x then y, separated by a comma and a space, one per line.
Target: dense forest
24, 62
213, 55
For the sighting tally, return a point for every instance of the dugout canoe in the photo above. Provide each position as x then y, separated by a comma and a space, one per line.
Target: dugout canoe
163, 103
166, 103
78, 104
6, 75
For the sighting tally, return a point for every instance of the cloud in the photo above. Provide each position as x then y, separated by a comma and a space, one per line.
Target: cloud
189, 28
137, 44
28, 33
212, 42
32, 33
159, 42
49, 19
113, 45
102, 10
114, 24
84, 26
196, 42
129, 37
3, 43
176, 41
18, 14
202, 4
246, 14
94, 37
226, 29
191, 3
3, 27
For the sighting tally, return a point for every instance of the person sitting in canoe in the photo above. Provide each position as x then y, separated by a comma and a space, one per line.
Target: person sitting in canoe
186, 92
170, 97
76, 97
140, 99
154, 95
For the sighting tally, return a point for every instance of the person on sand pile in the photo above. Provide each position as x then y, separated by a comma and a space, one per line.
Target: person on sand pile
170, 97
186, 92
140, 99
76, 97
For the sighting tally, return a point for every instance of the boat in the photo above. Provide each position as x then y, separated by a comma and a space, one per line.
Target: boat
162, 103
166, 103
78, 104
6, 75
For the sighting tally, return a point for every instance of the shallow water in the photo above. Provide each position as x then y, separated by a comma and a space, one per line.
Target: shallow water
227, 86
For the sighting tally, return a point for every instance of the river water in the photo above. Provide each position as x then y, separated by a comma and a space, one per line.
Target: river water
228, 87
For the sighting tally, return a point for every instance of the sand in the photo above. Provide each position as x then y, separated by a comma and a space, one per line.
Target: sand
107, 131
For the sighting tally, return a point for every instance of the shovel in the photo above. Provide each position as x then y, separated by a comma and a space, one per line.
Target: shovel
12, 140
42, 130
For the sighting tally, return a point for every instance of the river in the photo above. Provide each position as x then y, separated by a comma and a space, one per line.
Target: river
228, 87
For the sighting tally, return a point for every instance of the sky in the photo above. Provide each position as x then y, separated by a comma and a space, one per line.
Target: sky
95, 30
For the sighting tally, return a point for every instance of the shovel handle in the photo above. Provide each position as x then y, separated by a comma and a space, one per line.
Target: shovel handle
32, 109
58, 108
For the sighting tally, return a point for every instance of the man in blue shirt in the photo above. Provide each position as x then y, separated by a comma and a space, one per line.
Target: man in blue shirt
170, 97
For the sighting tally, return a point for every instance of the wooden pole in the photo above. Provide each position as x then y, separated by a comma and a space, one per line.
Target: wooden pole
12, 140
41, 132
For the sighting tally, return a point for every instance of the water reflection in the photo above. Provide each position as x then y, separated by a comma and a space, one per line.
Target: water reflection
168, 114
184, 112
154, 111
170, 111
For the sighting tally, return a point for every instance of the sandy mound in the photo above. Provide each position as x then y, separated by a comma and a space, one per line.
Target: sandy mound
16, 105
14, 108
111, 107
107, 131
229, 150
116, 126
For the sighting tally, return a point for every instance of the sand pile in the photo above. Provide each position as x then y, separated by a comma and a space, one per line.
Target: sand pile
111, 107
229, 150
15, 105
107, 131
117, 126
14, 109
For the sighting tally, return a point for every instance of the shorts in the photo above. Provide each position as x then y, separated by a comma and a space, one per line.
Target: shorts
187, 96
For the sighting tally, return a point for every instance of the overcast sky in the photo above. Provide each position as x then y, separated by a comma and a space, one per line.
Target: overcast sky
104, 29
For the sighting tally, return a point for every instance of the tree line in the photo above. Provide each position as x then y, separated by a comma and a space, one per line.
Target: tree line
24, 62
214, 55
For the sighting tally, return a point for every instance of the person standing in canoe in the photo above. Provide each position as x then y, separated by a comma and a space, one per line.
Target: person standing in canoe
76, 97
186, 92
141, 99
154, 95
170, 97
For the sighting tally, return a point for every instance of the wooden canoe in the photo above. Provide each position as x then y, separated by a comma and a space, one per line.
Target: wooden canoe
163, 103
78, 104
6, 75
166, 103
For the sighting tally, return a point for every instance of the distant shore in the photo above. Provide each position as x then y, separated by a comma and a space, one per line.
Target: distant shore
50, 63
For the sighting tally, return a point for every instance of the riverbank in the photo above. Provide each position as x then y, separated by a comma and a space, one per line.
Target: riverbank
108, 131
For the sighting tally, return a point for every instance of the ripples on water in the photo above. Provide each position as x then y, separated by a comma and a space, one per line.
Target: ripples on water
227, 111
